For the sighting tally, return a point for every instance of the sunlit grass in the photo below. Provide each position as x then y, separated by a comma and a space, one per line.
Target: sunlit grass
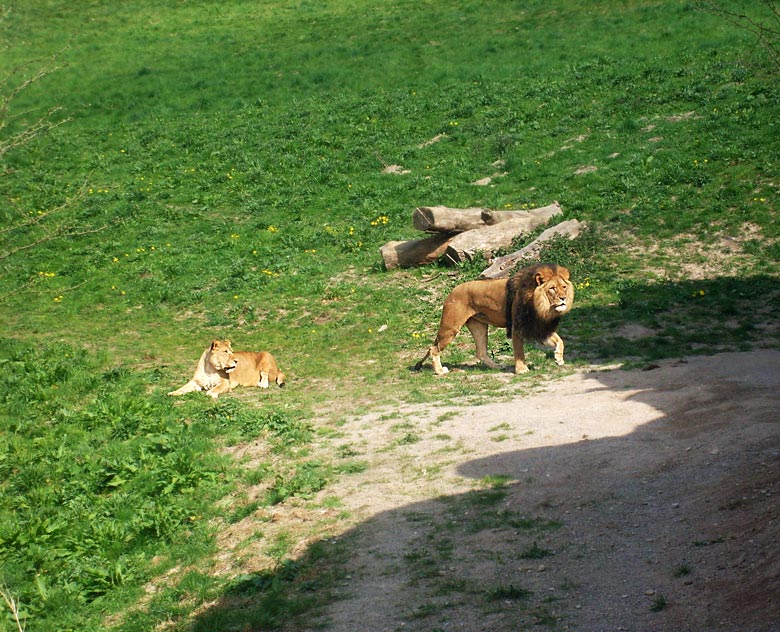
221, 176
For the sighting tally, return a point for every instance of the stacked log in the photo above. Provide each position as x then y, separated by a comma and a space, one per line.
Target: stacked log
459, 235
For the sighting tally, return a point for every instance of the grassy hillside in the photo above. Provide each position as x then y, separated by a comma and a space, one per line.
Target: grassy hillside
219, 173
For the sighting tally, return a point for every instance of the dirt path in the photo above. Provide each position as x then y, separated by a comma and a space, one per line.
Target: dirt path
631, 500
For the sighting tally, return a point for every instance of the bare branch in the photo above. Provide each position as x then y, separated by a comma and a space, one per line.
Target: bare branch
766, 31
61, 233
13, 606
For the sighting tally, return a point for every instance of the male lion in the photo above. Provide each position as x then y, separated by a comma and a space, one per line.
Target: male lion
220, 370
529, 304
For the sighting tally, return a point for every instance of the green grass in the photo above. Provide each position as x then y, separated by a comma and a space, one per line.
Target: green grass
220, 175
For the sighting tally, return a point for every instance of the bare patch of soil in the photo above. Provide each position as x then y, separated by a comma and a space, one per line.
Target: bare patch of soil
610, 500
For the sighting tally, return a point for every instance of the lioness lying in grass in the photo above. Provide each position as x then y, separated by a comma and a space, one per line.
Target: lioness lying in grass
220, 370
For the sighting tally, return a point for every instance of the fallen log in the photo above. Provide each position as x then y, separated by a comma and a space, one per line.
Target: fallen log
465, 246
414, 252
502, 266
540, 215
442, 219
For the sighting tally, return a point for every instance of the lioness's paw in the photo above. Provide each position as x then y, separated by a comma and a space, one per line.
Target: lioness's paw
443, 371
521, 368
560, 362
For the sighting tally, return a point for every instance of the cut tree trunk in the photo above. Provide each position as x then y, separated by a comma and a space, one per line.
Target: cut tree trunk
502, 266
415, 252
442, 219
542, 215
488, 239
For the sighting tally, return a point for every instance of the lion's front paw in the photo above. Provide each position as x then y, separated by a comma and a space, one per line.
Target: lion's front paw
442, 371
559, 361
521, 368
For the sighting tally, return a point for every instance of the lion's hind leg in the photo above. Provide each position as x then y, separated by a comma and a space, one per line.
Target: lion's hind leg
263, 383
454, 315
446, 333
479, 331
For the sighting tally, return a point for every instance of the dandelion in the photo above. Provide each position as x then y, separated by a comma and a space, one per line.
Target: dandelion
235, 297
58, 299
234, 236
311, 252
272, 229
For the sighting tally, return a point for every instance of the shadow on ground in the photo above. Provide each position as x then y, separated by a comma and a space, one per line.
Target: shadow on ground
625, 500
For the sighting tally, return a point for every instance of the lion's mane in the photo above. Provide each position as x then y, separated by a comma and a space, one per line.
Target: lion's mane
534, 315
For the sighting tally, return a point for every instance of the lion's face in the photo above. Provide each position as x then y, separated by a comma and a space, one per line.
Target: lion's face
554, 291
222, 356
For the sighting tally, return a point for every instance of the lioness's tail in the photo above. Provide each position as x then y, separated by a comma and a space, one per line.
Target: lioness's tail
280, 379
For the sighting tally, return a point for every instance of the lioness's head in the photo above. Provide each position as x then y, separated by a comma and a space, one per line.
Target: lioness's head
221, 356
554, 292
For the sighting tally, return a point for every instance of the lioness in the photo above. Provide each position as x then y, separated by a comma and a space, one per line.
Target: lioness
529, 304
220, 370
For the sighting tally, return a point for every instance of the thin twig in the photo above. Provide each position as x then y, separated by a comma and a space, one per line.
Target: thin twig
13, 606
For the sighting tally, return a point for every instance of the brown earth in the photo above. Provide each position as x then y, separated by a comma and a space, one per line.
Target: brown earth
642, 500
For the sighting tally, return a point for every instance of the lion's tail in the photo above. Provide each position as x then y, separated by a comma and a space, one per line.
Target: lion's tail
418, 366
280, 377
